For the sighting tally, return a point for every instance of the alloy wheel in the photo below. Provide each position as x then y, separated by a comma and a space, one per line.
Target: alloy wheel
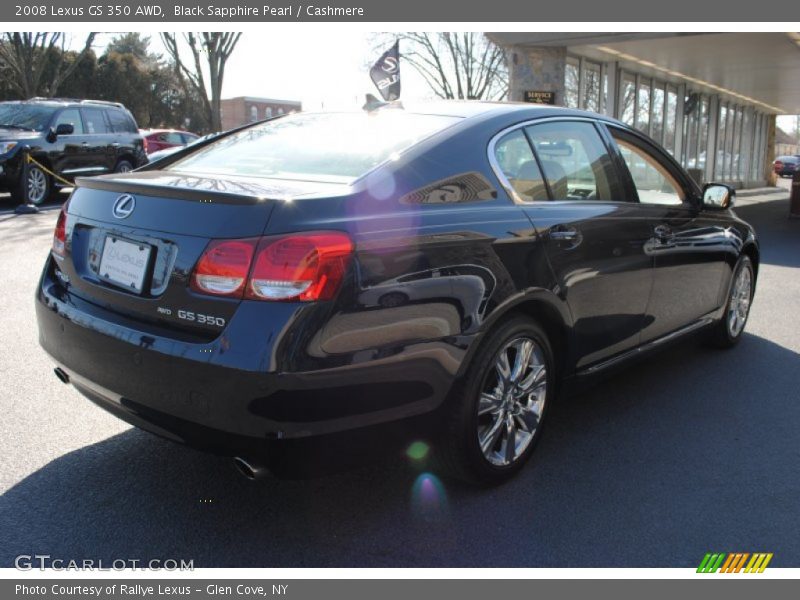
512, 401
36, 185
739, 304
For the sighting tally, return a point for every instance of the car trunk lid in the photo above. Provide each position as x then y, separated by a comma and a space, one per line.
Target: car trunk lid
134, 240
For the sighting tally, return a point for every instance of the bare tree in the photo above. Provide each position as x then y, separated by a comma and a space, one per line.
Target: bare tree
465, 65
35, 62
215, 48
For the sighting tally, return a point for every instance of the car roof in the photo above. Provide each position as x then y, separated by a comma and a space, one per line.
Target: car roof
471, 108
61, 102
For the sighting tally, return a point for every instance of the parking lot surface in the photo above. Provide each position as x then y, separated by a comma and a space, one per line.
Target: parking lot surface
693, 451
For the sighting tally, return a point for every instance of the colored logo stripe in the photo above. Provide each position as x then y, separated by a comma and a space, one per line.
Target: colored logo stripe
733, 562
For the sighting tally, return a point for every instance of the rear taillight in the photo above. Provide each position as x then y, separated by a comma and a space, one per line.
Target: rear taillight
302, 266
60, 234
223, 268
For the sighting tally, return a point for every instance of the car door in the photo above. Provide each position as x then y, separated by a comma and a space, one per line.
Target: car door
570, 188
68, 154
99, 152
688, 246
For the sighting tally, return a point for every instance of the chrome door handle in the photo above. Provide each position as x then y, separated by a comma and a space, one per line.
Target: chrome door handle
563, 234
567, 235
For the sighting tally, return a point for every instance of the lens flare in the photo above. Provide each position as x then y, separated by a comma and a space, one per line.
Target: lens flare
417, 450
428, 498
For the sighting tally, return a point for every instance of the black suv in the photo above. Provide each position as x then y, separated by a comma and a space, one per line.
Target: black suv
429, 274
67, 137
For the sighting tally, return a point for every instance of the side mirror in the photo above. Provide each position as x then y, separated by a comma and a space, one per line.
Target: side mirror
65, 129
718, 196
61, 129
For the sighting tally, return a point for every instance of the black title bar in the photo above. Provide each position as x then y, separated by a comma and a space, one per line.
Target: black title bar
377, 11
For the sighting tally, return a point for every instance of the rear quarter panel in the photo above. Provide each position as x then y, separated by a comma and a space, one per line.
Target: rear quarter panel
441, 251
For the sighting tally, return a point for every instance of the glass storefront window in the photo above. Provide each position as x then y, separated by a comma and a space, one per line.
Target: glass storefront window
723, 160
643, 106
627, 99
702, 135
670, 118
657, 126
747, 144
572, 83
591, 74
690, 119
736, 150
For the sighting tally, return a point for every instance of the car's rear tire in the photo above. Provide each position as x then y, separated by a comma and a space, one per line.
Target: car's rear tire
123, 166
502, 398
727, 332
34, 188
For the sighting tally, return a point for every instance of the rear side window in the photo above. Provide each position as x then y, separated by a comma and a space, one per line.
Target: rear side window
71, 116
120, 122
95, 120
336, 147
516, 160
575, 161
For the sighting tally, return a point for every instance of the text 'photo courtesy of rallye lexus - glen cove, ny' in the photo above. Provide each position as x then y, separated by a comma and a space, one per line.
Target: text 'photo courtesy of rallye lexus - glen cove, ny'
435, 272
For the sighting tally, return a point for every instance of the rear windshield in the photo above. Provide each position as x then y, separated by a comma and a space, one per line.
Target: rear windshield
338, 147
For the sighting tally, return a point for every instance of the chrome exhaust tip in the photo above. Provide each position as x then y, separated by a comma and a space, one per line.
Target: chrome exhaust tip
250, 469
61, 374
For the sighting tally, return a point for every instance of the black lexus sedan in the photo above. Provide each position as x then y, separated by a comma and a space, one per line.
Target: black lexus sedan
433, 271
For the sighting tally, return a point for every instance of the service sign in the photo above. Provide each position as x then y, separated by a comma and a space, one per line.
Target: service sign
540, 97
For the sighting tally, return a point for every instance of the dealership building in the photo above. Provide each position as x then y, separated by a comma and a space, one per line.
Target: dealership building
710, 98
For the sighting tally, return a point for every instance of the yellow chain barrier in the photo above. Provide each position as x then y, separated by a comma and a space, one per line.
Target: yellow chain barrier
32, 160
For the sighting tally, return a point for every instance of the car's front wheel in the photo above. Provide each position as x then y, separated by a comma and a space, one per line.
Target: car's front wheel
498, 409
728, 330
34, 187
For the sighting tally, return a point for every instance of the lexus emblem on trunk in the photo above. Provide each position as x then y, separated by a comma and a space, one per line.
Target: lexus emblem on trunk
124, 206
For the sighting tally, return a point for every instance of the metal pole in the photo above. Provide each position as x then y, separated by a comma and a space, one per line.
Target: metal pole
26, 208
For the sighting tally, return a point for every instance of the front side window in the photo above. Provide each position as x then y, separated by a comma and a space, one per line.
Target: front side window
653, 181
334, 147
516, 161
71, 116
575, 161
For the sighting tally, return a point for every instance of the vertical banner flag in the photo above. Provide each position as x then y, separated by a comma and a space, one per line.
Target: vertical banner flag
385, 73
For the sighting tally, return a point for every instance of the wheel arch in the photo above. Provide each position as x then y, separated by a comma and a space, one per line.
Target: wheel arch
751, 250
544, 307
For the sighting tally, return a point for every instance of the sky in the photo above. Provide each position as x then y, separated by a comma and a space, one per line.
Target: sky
321, 68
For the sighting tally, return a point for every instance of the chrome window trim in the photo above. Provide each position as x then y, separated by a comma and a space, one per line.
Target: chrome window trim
506, 184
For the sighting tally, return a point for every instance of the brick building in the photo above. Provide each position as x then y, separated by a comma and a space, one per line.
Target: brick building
246, 109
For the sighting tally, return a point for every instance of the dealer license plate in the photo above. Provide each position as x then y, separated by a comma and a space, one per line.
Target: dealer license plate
124, 263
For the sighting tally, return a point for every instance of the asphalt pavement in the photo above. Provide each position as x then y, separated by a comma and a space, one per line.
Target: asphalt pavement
693, 451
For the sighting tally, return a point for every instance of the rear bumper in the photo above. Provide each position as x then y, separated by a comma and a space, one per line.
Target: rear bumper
191, 393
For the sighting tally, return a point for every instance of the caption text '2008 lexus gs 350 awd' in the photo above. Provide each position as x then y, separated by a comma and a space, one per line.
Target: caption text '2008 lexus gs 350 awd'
318, 276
